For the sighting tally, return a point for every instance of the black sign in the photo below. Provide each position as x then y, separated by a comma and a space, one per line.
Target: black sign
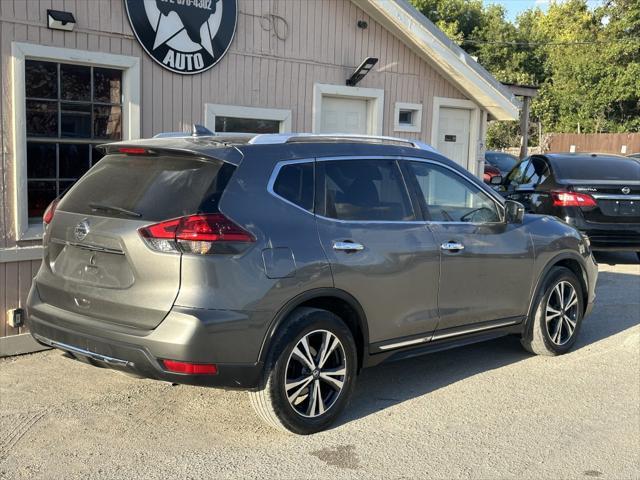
449, 138
184, 36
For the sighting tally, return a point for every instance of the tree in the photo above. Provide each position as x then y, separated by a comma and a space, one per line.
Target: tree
586, 61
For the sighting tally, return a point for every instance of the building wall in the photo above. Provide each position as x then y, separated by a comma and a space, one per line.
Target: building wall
322, 44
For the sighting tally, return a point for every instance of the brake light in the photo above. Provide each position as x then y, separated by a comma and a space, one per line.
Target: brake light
49, 212
190, 368
133, 150
572, 199
198, 234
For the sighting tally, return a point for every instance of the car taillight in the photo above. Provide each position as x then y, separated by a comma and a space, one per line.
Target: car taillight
190, 368
199, 234
572, 199
49, 212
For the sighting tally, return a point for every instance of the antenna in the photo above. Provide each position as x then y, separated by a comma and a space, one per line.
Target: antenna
200, 131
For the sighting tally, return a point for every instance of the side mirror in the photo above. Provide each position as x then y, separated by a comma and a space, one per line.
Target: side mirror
496, 180
514, 211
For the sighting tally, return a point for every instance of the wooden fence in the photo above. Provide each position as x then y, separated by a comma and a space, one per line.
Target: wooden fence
619, 143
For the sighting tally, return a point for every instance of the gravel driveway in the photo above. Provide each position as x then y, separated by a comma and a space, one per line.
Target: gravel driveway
483, 411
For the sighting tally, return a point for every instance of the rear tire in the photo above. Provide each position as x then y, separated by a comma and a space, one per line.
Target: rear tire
556, 317
310, 373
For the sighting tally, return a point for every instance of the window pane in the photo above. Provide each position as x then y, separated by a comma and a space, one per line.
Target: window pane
107, 122
75, 82
295, 183
64, 185
40, 195
42, 119
107, 85
74, 160
76, 120
246, 125
41, 79
366, 190
96, 155
405, 117
41, 160
449, 198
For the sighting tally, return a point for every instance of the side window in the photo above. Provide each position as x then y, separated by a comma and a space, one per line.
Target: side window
518, 175
295, 184
450, 198
366, 190
541, 170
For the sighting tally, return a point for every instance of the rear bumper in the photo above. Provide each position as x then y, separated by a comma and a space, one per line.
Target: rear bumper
139, 352
610, 236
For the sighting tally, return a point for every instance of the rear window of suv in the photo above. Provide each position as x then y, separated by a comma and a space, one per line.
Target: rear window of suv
156, 188
598, 168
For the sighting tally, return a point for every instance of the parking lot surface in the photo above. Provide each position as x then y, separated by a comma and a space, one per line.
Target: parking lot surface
483, 411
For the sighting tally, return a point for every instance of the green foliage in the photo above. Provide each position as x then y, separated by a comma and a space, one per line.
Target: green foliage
586, 61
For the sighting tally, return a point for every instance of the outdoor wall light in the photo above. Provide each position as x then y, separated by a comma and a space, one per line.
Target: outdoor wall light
59, 20
361, 71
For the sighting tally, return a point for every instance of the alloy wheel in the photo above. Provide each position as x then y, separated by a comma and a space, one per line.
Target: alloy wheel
316, 373
561, 314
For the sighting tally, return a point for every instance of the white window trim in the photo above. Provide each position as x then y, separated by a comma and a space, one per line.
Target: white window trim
374, 97
474, 128
416, 125
212, 110
130, 111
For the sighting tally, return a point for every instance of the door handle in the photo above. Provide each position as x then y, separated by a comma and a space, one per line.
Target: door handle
452, 246
348, 246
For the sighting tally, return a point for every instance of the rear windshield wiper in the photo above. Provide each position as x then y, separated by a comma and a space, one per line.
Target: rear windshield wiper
113, 208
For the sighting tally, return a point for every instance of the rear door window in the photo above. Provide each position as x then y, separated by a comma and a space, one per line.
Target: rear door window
155, 188
365, 190
295, 184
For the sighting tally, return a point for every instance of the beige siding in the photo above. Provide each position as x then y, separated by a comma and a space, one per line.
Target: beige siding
323, 45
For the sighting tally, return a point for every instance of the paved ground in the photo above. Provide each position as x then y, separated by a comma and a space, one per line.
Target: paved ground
483, 411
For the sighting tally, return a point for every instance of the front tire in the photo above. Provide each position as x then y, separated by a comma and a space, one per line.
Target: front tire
557, 316
310, 373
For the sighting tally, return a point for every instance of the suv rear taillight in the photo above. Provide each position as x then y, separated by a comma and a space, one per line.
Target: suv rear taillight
572, 199
200, 234
49, 212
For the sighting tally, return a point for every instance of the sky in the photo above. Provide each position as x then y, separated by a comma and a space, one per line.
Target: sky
514, 7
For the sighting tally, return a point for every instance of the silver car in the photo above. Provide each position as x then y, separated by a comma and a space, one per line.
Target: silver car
284, 264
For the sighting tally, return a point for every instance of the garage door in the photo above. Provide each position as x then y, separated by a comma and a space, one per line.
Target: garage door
453, 134
344, 115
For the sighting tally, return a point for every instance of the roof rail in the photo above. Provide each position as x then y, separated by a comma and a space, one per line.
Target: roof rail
280, 138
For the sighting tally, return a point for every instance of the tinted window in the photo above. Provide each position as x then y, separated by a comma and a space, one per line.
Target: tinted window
366, 190
539, 171
158, 188
598, 168
503, 161
449, 198
295, 184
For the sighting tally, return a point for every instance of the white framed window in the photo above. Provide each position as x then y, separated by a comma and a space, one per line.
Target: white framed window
343, 109
65, 102
238, 119
407, 117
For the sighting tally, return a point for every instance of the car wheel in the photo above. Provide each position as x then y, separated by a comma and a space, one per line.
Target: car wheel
557, 316
310, 374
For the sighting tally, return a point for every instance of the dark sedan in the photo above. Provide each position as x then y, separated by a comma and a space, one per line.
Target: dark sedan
598, 194
500, 160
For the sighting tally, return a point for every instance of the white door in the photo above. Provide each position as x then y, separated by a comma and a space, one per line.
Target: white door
344, 115
453, 134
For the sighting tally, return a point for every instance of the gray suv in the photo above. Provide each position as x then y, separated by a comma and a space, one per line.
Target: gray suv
284, 264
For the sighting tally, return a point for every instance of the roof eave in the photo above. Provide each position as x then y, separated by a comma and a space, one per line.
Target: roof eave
431, 43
